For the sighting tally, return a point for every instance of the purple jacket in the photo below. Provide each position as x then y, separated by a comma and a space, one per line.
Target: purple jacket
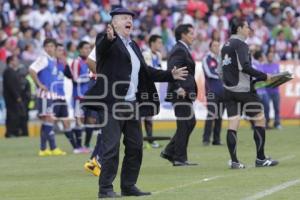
271, 68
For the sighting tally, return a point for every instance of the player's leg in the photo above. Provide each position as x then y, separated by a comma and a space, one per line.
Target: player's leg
255, 111
60, 109
77, 130
90, 124
234, 112
47, 134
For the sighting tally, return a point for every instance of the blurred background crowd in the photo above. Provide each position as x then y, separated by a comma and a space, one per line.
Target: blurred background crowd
24, 24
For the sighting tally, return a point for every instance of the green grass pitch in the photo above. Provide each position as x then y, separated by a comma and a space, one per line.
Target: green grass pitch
25, 176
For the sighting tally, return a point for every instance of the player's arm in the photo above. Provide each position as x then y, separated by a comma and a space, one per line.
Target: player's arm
245, 63
34, 68
92, 65
208, 70
91, 61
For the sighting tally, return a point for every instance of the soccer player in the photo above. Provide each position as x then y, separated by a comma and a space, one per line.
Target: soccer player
44, 73
237, 74
214, 95
81, 83
93, 165
152, 58
60, 106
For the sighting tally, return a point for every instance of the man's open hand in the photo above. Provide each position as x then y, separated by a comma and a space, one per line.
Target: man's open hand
179, 74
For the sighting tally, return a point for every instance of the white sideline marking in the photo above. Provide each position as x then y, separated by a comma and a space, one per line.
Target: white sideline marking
187, 184
213, 178
273, 190
287, 158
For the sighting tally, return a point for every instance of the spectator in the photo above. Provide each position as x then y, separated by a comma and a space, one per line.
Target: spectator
98, 23
272, 67
183, 17
217, 15
148, 21
253, 39
163, 17
261, 31
12, 96
26, 38
39, 17
248, 9
295, 52
105, 13
167, 36
29, 54
282, 46
285, 27
273, 16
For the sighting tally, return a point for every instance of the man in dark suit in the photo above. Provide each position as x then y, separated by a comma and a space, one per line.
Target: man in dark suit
182, 93
124, 91
13, 97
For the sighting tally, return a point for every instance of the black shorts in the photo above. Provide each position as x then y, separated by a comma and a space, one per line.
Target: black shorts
60, 108
238, 103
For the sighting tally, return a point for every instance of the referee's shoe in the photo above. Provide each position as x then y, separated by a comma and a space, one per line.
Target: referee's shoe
267, 162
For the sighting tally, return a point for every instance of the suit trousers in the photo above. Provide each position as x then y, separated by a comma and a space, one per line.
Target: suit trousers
109, 146
185, 121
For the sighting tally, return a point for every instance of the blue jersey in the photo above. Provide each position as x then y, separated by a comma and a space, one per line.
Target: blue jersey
80, 73
47, 73
212, 82
59, 87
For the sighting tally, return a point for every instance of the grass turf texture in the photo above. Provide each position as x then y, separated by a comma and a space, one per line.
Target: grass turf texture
24, 175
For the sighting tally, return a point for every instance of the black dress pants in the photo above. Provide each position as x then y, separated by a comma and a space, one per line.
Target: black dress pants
185, 121
109, 146
12, 121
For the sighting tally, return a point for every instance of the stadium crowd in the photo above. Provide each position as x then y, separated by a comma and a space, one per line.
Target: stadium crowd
25, 24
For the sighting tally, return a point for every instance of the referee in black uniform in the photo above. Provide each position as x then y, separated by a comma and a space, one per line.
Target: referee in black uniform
240, 96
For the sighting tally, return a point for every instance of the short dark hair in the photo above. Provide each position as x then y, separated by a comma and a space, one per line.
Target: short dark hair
9, 59
182, 29
153, 38
258, 54
48, 41
235, 24
69, 45
59, 44
81, 44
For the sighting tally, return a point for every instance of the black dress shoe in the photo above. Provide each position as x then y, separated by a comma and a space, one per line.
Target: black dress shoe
166, 156
183, 164
217, 143
134, 191
111, 194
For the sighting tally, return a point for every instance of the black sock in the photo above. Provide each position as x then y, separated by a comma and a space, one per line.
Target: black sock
70, 136
78, 133
231, 144
259, 138
88, 136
